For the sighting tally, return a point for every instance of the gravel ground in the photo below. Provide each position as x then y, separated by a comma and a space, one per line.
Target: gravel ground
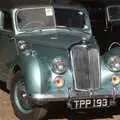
6, 112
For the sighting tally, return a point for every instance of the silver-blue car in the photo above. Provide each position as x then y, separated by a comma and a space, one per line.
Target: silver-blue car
48, 55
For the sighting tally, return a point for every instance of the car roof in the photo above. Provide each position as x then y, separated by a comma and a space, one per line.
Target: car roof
68, 6
55, 6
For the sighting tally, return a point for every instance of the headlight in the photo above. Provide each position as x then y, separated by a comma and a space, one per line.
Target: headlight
114, 63
59, 65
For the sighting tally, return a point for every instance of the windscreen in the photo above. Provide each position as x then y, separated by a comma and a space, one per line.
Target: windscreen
48, 17
35, 18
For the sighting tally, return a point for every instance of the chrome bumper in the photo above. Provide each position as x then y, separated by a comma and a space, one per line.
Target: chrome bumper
45, 98
41, 99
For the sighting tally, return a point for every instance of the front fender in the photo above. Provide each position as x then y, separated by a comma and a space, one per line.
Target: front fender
39, 78
36, 73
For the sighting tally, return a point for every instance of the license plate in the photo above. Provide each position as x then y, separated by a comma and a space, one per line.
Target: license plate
90, 103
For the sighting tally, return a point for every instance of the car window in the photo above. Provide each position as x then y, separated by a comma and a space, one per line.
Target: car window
49, 17
69, 17
114, 13
34, 18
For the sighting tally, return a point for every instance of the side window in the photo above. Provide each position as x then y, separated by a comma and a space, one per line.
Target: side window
113, 13
7, 21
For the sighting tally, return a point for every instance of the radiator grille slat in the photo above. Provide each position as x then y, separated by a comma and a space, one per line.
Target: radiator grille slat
94, 69
85, 64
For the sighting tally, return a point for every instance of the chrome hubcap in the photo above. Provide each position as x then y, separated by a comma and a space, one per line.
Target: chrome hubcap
21, 97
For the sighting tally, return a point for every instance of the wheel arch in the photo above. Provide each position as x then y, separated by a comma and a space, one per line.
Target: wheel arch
14, 69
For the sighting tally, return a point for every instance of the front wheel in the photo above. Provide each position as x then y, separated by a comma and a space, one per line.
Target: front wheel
20, 104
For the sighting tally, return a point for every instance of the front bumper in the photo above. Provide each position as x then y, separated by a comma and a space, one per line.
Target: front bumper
41, 99
45, 98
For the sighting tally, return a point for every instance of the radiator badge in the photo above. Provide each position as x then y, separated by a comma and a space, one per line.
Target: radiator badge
91, 92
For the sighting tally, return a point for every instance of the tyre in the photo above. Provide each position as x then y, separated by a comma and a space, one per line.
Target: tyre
20, 104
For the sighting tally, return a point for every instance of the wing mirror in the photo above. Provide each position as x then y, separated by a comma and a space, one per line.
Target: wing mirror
1, 20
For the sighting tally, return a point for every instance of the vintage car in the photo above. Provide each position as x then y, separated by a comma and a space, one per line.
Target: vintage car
49, 55
105, 20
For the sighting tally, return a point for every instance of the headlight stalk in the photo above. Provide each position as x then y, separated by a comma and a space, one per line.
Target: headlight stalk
26, 48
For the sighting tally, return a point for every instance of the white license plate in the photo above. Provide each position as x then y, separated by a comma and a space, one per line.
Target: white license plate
90, 103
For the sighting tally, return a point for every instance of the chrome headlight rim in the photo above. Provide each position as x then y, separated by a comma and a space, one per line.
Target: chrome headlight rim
59, 65
113, 63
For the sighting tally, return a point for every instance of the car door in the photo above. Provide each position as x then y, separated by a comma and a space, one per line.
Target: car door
7, 47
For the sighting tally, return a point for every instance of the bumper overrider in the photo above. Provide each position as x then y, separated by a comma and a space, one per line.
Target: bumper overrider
77, 100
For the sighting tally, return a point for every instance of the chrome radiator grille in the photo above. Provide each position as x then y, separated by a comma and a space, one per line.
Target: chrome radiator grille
86, 67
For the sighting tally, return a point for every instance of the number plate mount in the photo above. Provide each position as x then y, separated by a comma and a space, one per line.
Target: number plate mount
90, 103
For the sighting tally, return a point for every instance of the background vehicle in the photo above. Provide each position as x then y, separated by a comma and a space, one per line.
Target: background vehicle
105, 31
47, 58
